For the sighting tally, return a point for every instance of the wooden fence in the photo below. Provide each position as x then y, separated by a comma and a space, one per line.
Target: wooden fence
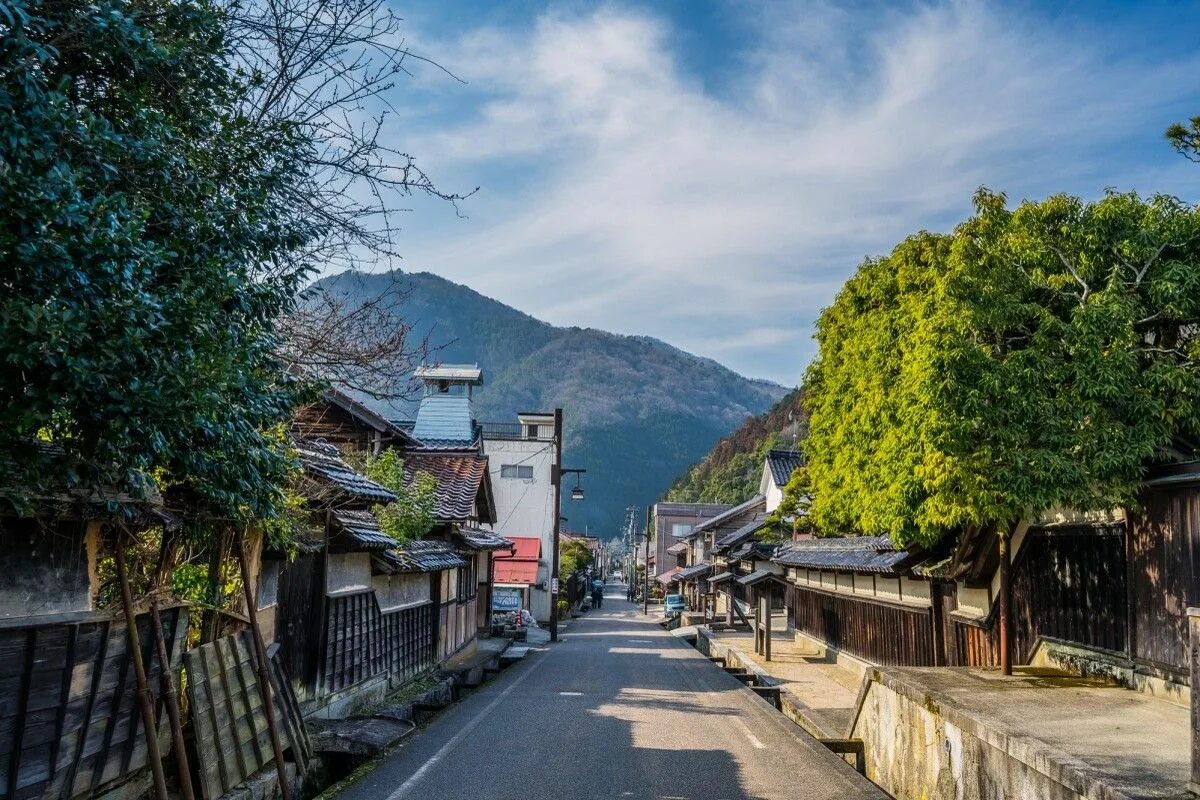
883, 633
362, 642
69, 720
232, 739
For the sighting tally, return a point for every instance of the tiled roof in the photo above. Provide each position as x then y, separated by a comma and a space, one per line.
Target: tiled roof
720, 577
359, 531
324, 462
739, 535
458, 476
678, 548
694, 571
782, 464
847, 554
730, 520
758, 576
752, 549
476, 539
424, 555
668, 577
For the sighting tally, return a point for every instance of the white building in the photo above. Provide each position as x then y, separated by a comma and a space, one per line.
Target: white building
521, 457
778, 467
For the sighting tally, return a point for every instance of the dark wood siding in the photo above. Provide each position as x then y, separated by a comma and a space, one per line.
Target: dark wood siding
299, 619
1163, 550
883, 633
362, 642
1068, 583
69, 722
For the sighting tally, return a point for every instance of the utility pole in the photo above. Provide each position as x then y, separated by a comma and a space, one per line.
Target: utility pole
646, 590
558, 448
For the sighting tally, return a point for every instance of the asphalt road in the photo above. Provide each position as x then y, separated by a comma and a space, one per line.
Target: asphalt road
619, 708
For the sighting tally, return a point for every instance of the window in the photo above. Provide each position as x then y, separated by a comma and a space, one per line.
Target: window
531, 431
466, 581
522, 471
679, 529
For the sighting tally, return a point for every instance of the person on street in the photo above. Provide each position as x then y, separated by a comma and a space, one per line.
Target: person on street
597, 597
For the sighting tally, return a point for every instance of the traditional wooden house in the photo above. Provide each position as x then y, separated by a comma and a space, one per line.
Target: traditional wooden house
70, 722
707, 556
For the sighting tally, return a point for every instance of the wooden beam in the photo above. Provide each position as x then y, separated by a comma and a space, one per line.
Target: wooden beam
1003, 536
1193, 615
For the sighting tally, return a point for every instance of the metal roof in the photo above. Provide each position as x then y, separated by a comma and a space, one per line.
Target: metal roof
445, 418
470, 373
668, 577
782, 464
678, 548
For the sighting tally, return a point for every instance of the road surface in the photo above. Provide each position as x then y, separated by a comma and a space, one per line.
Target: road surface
619, 708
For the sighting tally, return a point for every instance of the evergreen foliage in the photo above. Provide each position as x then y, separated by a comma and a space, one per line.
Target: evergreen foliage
731, 472
1036, 357
146, 235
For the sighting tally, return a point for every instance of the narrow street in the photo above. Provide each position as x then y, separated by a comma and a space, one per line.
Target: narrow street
619, 708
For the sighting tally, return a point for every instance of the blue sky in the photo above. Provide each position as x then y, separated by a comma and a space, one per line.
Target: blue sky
710, 173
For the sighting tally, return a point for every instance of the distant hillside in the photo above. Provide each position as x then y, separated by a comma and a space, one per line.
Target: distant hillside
730, 473
637, 410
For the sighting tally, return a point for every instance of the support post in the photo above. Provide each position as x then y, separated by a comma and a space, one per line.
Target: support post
767, 599
264, 670
729, 607
558, 448
1005, 599
171, 702
145, 699
1193, 615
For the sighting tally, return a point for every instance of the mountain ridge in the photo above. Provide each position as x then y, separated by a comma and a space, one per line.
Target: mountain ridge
637, 410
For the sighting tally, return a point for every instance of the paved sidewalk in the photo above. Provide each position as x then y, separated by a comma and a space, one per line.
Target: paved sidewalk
823, 691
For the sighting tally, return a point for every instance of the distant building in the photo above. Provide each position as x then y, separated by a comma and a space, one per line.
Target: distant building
673, 522
521, 458
778, 467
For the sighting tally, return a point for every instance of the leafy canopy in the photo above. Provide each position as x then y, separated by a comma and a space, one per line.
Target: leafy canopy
1037, 357
148, 237
411, 516
573, 556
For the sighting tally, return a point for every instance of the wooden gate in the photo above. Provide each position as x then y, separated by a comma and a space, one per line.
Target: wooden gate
1164, 545
301, 618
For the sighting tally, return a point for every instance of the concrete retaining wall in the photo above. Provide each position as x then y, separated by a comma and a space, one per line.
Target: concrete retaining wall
917, 750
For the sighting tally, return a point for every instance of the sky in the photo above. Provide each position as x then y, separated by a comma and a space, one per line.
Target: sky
709, 173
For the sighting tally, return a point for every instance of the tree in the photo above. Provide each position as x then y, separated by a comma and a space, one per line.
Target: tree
1035, 358
573, 556
411, 516
149, 244
1186, 138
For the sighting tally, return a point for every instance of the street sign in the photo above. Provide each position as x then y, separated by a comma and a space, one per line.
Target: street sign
554, 586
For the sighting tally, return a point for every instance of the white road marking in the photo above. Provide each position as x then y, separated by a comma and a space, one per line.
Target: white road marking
571, 694
406, 787
750, 735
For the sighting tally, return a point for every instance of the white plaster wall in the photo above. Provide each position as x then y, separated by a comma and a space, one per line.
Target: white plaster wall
401, 591
864, 584
526, 507
347, 572
915, 591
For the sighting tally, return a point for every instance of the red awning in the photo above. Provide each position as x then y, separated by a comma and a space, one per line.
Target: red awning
522, 566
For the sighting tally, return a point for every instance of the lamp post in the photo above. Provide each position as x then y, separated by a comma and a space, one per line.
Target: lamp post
576, 494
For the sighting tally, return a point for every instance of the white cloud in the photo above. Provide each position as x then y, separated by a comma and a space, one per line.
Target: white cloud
655, 204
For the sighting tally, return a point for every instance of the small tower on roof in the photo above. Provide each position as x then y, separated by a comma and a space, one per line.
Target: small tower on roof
445, 413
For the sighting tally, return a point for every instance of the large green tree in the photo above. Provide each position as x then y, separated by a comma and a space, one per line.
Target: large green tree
148, 236
1036, 357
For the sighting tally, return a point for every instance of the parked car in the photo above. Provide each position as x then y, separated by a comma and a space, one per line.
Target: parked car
673, 605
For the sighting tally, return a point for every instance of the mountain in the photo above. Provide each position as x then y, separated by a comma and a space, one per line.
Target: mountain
636, 410
731, 472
